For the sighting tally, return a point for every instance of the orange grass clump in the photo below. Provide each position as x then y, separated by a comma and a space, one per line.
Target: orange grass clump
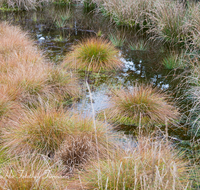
141, 102
151, 164
93, 55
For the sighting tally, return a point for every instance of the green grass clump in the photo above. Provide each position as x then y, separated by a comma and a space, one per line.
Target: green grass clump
139, 45
116, 40
93, 55
151, 164
140, 104
174, 61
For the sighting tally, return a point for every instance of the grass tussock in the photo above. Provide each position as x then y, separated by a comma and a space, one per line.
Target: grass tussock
174, 61
8, 107
13, 40
45, 130
151, 164
139, 45
140, 103
93, 54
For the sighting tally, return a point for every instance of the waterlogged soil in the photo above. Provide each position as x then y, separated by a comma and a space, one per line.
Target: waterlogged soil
56, 28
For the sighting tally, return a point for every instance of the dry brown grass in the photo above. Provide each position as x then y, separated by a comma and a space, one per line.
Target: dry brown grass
151, 164
8, 107
24, 4
76, 151
93, 54
168, 22
13, 40
193, 23
130, 12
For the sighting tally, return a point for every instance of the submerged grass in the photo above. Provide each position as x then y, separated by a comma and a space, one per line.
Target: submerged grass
93, 55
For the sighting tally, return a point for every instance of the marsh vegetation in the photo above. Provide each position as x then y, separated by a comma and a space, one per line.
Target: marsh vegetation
99, 94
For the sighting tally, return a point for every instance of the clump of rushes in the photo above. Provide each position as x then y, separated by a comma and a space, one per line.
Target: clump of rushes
140, 104
174, 61
29, 172
117, 40
44, 130
93, 55
152, 164
168, 22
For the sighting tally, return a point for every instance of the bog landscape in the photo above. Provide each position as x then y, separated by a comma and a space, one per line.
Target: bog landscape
99, 94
